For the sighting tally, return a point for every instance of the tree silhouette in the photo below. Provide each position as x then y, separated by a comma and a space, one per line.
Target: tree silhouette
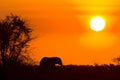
116, 60
14, 38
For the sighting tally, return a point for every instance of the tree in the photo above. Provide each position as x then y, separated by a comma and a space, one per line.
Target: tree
117, 60
14, 38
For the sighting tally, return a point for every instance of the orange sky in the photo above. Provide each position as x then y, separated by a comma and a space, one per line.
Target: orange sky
62, 28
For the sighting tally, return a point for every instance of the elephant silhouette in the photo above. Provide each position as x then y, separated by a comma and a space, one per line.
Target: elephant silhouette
50, 63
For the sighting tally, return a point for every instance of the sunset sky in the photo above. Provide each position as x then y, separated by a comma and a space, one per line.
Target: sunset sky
62, 28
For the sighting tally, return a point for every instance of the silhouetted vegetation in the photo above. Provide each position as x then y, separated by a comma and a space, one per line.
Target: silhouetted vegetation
14, 38
68, 72
117, 60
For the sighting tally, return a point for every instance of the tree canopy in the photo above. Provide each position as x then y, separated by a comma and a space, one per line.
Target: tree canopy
14, 38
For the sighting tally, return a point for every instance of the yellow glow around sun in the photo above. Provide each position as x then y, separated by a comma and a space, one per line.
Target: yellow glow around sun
97, 24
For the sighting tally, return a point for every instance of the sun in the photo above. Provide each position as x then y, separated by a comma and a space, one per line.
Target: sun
97, 23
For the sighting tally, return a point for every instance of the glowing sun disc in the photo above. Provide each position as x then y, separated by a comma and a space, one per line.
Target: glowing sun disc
97, 24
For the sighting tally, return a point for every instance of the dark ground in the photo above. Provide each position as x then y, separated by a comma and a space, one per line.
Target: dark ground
68, 72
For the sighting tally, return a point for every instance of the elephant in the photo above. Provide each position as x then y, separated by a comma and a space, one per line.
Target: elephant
50, 63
